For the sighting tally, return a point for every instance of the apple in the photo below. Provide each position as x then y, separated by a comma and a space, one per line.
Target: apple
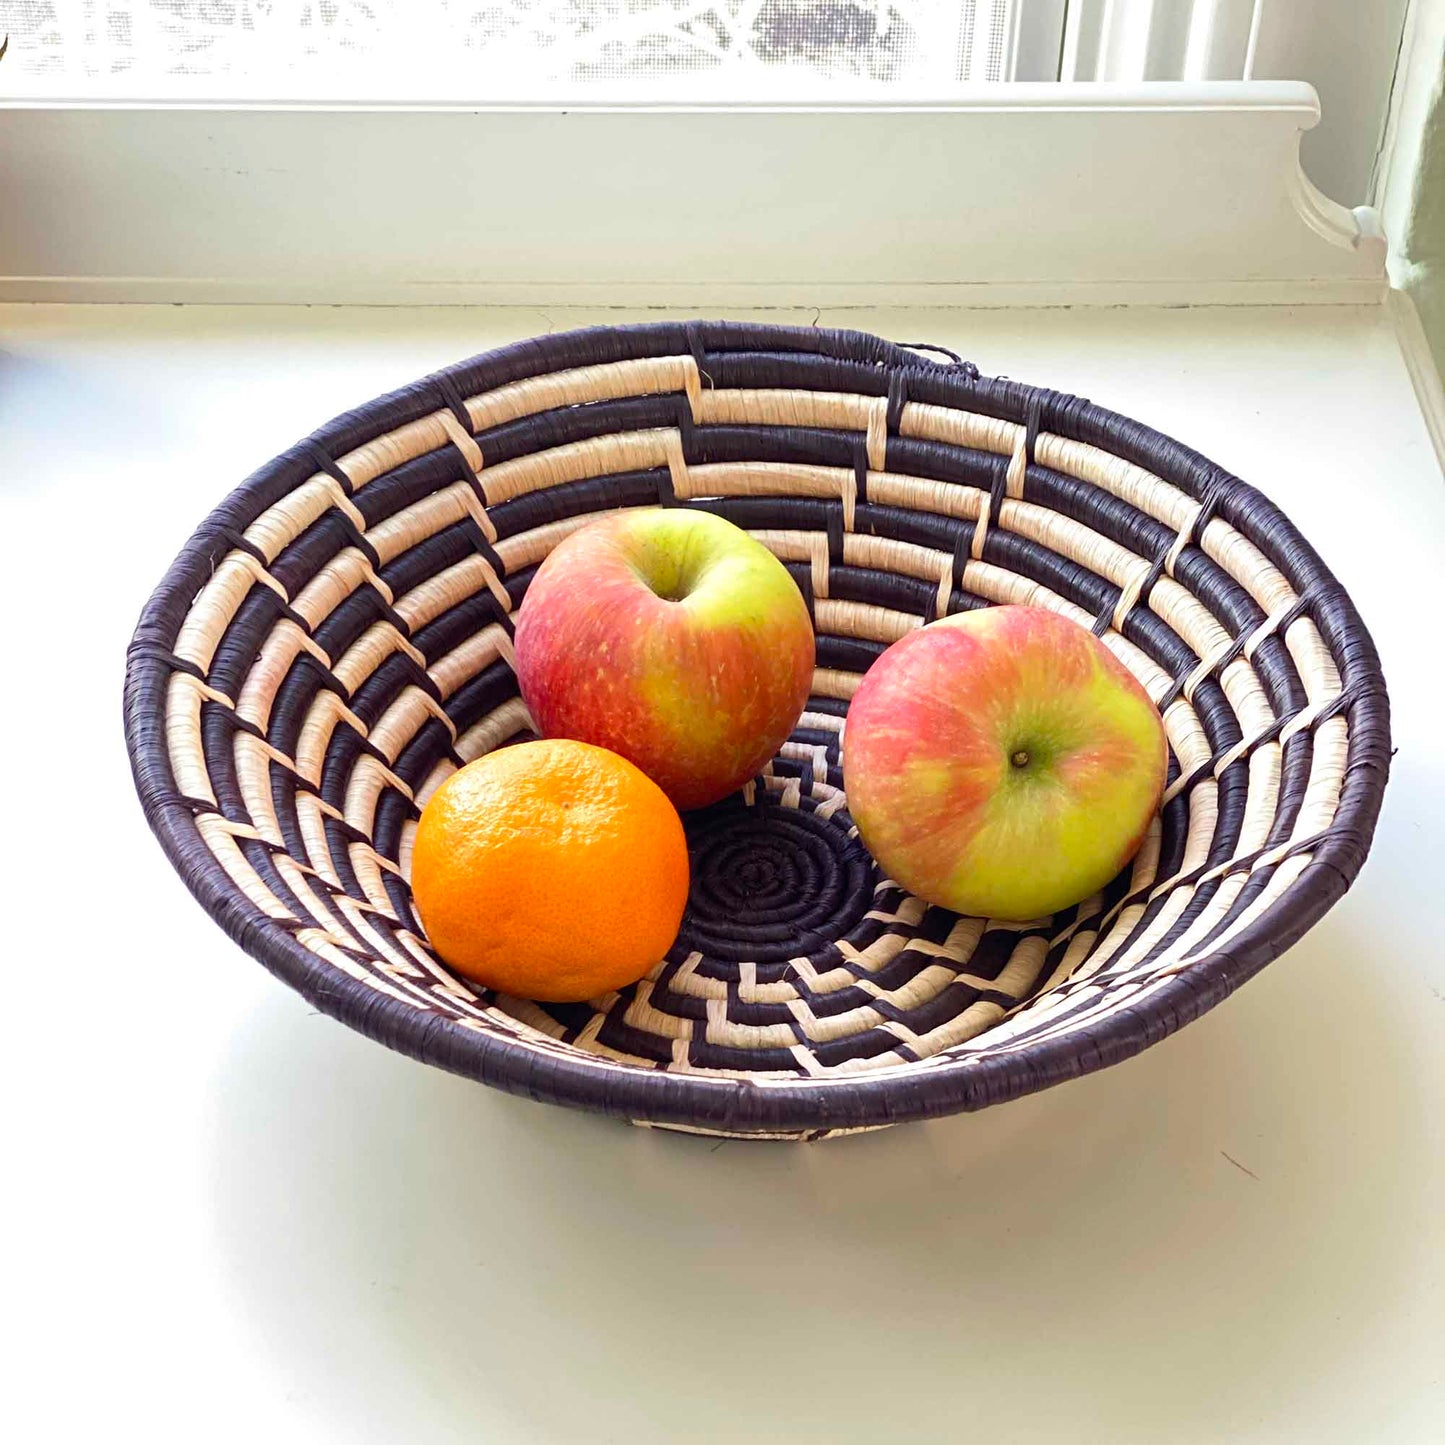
1002, 763
672, 637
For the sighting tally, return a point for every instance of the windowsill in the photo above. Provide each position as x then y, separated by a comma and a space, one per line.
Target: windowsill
1163, 193
998, 97
384, 1306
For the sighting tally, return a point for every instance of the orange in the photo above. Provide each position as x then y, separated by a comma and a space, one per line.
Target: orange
551, 870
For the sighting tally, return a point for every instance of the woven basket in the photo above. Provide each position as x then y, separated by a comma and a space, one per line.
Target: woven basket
335, 640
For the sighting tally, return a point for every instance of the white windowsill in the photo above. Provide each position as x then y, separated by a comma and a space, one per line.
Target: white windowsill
341, 1245
1164, 193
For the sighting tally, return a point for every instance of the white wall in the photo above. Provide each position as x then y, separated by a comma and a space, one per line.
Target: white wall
1411, 187
1347, 51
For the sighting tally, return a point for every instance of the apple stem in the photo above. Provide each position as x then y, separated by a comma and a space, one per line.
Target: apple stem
1020, 759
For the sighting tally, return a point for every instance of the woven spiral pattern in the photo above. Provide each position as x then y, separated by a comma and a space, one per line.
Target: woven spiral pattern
336, 639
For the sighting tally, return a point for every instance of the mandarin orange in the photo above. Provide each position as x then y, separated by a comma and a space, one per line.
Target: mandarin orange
552, 870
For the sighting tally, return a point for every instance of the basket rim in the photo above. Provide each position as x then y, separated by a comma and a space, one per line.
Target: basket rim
659, 1095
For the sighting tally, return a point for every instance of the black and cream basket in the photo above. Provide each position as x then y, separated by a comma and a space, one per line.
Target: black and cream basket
335, 640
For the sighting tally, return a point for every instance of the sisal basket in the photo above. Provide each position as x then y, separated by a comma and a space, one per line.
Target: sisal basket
336, 639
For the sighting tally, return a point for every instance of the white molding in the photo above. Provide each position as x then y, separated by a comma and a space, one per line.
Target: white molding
635, 296
1033, 195
1416, 86
1354, 228
1292, 96
1420, 364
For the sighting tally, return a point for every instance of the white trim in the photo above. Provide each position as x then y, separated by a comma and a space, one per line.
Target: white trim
1038, 39
1251, 46
623, 296
1420, 364
1017, 195
1356, 228
1085, 98
1416, 85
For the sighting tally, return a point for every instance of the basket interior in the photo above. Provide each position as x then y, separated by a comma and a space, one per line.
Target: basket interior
337, 640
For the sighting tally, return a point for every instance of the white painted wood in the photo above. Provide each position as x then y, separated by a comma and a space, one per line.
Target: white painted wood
1420, 363
1083, 23
235, 1222
1050, 193
1038, 41
1416, 91
1168, 39
1227, 37
1131, 40
697, 297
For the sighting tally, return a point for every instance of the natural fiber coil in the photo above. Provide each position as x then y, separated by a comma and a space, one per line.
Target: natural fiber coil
335, 640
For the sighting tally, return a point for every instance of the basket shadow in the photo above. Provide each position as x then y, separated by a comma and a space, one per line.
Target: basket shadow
1142, 1247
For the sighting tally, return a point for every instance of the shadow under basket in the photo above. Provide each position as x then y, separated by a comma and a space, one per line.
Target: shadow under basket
336, 639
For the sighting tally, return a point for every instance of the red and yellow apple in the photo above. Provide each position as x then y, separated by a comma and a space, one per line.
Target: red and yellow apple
672, 637
1002, 762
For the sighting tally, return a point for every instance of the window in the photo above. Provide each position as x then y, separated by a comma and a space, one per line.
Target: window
493, 49
224, 149
471, 51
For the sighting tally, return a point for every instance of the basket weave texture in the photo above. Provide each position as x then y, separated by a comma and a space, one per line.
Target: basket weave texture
336, 639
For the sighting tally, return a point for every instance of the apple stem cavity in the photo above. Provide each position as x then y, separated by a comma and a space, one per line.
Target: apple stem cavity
674, 587
670, 582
